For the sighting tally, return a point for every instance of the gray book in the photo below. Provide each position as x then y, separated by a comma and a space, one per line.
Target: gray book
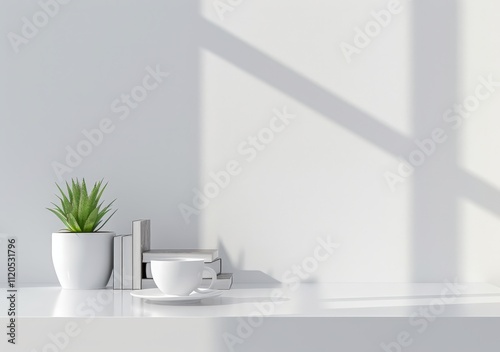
216, 265
127, 262
208, 255
224, 282
117, 263
141, 241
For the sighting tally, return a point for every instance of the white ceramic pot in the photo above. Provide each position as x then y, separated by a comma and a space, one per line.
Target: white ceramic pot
83, 261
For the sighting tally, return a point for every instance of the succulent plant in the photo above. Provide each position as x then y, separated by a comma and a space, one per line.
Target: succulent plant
80, 211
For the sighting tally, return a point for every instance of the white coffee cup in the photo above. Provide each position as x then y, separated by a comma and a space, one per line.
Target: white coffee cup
180, 276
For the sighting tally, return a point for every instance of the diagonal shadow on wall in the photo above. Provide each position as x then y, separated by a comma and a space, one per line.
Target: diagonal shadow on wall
439, 183
299, 87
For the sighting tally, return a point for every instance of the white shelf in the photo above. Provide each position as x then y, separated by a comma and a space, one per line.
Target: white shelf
308, 300
314, 317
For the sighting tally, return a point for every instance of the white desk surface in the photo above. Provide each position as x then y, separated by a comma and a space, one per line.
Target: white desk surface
308, 300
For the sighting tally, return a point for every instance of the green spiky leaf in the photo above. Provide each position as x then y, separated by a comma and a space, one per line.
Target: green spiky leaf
81, 210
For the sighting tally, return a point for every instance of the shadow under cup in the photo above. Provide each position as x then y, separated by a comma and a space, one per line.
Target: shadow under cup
180, 276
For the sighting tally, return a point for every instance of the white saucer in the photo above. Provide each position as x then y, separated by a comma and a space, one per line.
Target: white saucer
154, 294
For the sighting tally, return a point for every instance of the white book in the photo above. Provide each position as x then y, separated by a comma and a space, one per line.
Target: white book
208, 255
224, 282
127, 262
216, 265
117, 263
141, 241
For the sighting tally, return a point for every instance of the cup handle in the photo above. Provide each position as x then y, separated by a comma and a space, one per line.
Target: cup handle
213, 278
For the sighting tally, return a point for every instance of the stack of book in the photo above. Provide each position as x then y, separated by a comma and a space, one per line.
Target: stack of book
133, 256
127, 259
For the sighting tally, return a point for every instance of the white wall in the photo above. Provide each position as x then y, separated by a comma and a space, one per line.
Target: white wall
323, 175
